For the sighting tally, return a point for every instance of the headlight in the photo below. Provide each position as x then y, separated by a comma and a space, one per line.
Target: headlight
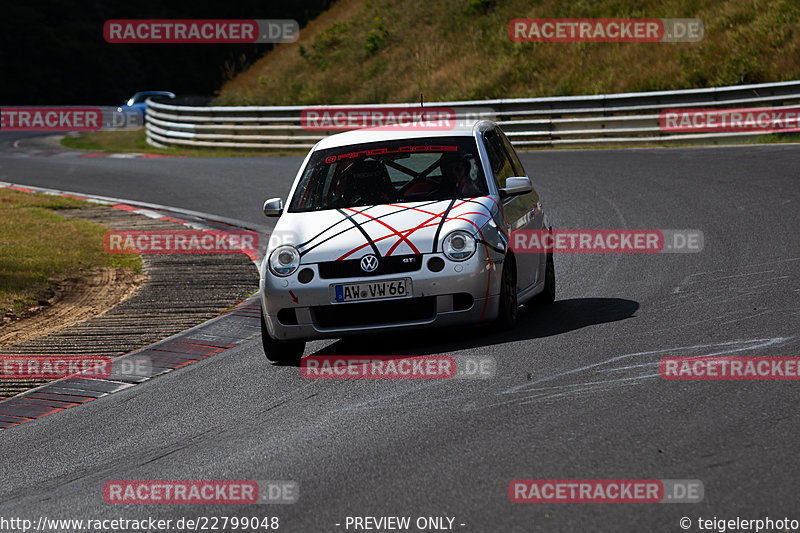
459, 246
284, 260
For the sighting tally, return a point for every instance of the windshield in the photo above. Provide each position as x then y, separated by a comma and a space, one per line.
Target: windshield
408, 170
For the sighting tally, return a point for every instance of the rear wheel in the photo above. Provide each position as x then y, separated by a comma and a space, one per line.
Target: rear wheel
280, 351
548, 295
507, 315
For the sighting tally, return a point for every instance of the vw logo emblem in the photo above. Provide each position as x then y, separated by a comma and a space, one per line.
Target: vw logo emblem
369, 263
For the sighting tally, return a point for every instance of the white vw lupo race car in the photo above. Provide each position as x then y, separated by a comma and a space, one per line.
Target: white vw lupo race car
392, 229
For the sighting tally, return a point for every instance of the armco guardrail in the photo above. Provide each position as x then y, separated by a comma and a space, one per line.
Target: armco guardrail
596, 119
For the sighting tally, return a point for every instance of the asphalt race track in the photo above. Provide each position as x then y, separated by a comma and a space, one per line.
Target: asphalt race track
577, 393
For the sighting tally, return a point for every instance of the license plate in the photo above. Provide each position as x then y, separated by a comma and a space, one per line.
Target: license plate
372, 290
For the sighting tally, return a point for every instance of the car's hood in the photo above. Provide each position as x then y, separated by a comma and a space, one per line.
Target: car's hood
393, 229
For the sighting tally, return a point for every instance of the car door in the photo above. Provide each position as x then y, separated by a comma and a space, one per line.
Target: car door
520, 212
533, 207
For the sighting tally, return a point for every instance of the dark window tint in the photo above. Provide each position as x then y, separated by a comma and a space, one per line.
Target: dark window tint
502, 167
397, 171
519, 171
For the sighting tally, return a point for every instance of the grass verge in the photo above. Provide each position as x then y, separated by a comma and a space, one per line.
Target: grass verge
37, 247
377, 51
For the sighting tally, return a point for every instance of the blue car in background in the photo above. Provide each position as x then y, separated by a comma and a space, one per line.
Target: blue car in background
136, 103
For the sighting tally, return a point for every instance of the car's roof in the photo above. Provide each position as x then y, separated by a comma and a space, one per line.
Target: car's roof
366, 135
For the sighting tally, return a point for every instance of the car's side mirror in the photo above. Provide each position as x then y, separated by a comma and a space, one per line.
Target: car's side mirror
516, 186
273, 207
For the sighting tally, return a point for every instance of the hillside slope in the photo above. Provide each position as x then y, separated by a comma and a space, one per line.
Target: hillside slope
372, 51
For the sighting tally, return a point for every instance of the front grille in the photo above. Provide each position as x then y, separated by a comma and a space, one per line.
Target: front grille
351, 268
375, 313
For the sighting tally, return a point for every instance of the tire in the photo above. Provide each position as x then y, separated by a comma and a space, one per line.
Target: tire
548, 295
280, 351
507, 314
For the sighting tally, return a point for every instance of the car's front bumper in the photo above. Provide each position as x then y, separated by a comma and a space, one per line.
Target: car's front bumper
462, 293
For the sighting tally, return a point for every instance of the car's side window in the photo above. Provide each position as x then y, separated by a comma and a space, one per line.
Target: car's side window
519, 170
502, 167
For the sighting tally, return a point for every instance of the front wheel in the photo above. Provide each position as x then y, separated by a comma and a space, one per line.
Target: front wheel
280, 351
507, 315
